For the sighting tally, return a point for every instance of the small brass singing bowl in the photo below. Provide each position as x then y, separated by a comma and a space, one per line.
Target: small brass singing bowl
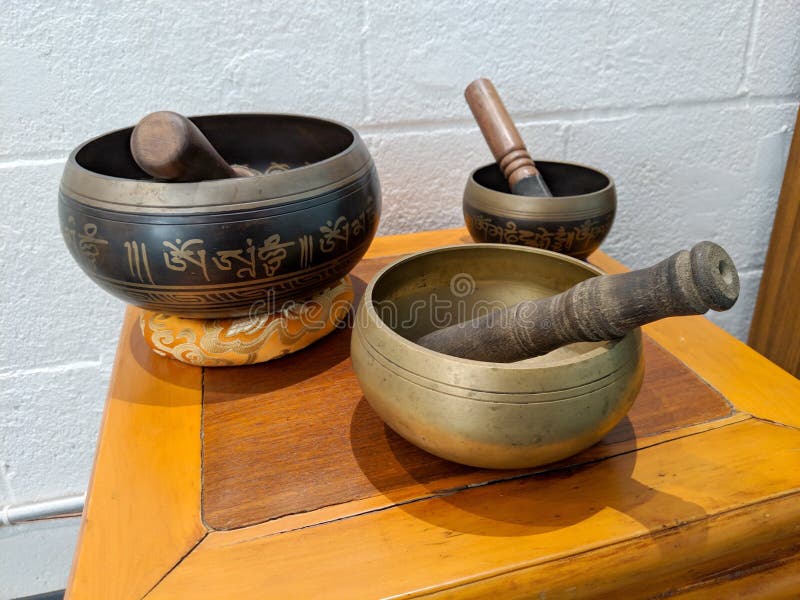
226, 247
575, 221
485, 414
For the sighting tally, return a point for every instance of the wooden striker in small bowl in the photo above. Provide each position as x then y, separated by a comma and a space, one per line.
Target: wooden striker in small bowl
557, 206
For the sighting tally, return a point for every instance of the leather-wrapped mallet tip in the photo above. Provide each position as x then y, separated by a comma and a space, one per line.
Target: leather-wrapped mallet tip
715, 275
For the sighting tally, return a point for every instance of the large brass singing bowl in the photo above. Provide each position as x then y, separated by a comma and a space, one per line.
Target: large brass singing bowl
227, 247
493, 415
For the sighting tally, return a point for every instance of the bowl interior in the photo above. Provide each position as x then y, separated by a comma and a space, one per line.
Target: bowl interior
563, 179
450, 285
256, 140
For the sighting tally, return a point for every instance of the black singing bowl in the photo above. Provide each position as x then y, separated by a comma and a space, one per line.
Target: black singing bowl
574, 221
225, 247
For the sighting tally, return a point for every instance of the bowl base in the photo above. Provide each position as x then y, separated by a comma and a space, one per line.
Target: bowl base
252, 339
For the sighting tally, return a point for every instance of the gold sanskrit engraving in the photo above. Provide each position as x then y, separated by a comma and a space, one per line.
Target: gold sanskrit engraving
180, 256
272, 254
137, 259
87, 243
333, 231
359, 224
146, 263
306, 250
276, 167
224, 260
559, 239
341, 230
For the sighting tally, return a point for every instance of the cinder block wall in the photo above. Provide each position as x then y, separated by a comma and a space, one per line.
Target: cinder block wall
688, 105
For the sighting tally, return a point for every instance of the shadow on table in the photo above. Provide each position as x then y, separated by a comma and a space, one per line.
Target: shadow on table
518, 503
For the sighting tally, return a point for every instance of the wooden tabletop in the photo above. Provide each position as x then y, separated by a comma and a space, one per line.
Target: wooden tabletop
278, 481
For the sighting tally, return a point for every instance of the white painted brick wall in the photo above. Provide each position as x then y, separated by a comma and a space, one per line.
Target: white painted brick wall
688, 105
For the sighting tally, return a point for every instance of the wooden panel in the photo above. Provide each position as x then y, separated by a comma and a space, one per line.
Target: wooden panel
652, 566
665, 514
663, 510
776, 319
764, 579
142, 512
673, 511
296, 435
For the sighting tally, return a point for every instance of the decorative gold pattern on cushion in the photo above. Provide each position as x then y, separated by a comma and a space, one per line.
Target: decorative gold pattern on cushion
252, 339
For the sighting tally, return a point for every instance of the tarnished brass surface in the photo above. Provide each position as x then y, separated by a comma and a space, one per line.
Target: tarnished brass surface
318, 156
227, 247
495, 415
575, 221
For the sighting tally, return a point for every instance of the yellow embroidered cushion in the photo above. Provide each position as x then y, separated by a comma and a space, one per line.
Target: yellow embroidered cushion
252, 339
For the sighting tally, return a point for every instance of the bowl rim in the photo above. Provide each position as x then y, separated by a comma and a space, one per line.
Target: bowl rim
484, 370
125, 195
558, 208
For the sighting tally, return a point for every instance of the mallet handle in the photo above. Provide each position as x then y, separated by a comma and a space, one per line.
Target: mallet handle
499, 131
600, 308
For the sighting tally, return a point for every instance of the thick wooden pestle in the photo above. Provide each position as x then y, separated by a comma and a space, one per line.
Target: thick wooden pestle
504, 140
601, 308
169, 146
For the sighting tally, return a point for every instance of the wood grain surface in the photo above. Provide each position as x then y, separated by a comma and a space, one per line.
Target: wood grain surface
144, 497
764, 577
689, 499
627, 527
776, 318
297, 435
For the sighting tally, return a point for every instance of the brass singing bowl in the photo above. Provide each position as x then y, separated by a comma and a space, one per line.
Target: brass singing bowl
484, 414
226, 247
575, 221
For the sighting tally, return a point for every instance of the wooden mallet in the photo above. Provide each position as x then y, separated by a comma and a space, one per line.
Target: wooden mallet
169, 146
601, 308
504, 140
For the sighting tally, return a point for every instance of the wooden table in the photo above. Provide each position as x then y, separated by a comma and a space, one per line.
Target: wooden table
278, 481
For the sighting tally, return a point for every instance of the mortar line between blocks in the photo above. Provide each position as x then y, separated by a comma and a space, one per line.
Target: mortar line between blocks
579, 115
62, 368
32, 162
